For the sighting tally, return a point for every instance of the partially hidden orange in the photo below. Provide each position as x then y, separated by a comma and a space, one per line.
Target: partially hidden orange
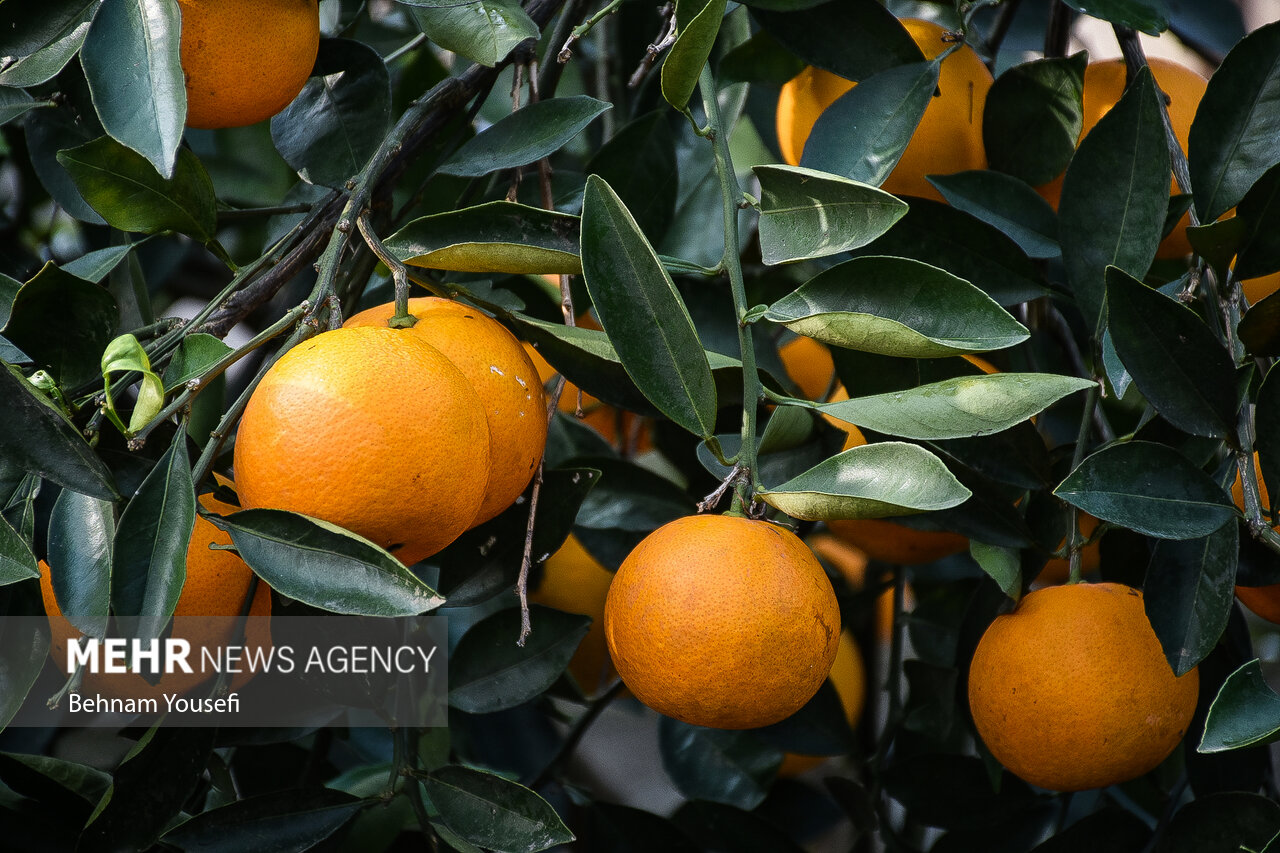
1262, 600
626, 432
575, 582
849, 679
1058, 569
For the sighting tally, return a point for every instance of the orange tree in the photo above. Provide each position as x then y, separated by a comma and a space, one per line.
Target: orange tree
196, 196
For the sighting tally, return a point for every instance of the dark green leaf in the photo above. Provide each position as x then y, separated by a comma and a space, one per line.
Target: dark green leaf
1235, 137
639, 162
1259, 210
81, 532
38, 37
63, 323
1006, 203
952, 791
51, 779
1225, 822
734, 768
1033, 117
1150, 488
1267, 441
808, 214
24, 646
1173, 357
1150, 16
1114, 196
535, 131
331, 129
1260, 328
13, 103
760, 59
697, 24
1003, 565
851, 38
325, 566
488, 672
1246, 712
94, 266
484, 31
1189, 589
642, 313
1110, 830
17, 562
196, 354
899, 307
498, 237
495, 813
131, 61
283, 822
50, 131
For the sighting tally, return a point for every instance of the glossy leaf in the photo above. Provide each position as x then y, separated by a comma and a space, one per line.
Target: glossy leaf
196, 354
288, 821
532, 132
63, 323
1149, 16
497, 237
325, 566
17, 562
807, 214
1033, 117
495, 813
24, 646
130, 59
38, 38
81, 537
1189, 589
866, 37
871, 481
488, 672
94, 266
639, 163
13, 103
730, 767
642, 313
760, 59
48, 132
484, 31
898, 307
1246, 712
697, 24
1006, 203
1150, 488
1002, 565
1259, 210
1260, 327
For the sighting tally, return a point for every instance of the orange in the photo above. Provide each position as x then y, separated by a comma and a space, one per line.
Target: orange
1072, 691
948, 138
504, 379
1058, 569
627, 432
206, 615
722, 621
1258, 289
1103, 85
849, 678
573, 581
1262, 600
851, 563
809, 365
371, 429
245, 60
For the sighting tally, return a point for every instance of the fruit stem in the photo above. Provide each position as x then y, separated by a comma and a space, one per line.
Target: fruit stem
731, 194
401, 319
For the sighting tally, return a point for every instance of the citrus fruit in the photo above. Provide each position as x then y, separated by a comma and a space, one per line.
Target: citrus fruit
948, 138
504, 379
1261, 600
1104, 84
371, 429
206, 615
1258, 289
849, 678
245, 60
1058, 569
627, 432
851, 563
809, 365
573, 581
1072, 691
722, 621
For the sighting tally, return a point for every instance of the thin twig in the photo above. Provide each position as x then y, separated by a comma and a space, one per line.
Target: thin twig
1057, 35
526, 559
566, 51
710, 501
666, 38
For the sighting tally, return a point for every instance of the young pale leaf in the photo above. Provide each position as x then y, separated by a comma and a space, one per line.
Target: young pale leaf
483, 31
125, 354
736, 768
81, 534
870, 481
1003, 565
1246, 712
863, 134
1114, 196
1149, 16
63, 323
149, 563
1150, 488
495, 813
535, 131
642, 313
497, 237
1189, 589
1033, 117
1006, 203
17, 562
854, 40
196, 354
957, 408
1173, 357
284, 821
1235, 137
42, 38
321, 564
897, 307
131, 195
488, 672
697, 24
807, 214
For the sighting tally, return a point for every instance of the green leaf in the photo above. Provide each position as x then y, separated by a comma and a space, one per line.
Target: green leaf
24, 646
63, 323
1224, 822
131, 195
871, 481
731, 767
40, 37
863, 134
642, 313
1150, 488
1115, 196
1173, 357
497, 237
1235, 137
495, 813
49, 779
639, 163
123, 355
338, 120
1006, 203
898, 307
1259, 213
13, 103
957, 408
1189, 589
807, 214
535, 131
81, 534
149, 563
1246, 712
325, 566
483, 31
196, 354
1267, 442
289, 821
697, 24
1033, 117
50, 131
94, 266
17, 562
1149, 16
852, 38
1003, 565
131, 60
760, 59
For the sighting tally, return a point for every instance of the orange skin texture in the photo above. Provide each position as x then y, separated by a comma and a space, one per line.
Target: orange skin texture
371, 429
1262, 600
1058, 569
625, 431
722, 621
504, 378
849, 678
1071, 690
573, 581
245, 60
1103, 86
948, 138
216, 585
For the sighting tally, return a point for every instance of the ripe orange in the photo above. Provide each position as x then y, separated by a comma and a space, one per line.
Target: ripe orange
504, 379
809, 365
1104, 84
1058, 569
206, 615
1072, 691
573, 581
1258, 289
851, 563
245, 60
627, 432
371, 429
1262, 600
722, 621
849, 678
948, 138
